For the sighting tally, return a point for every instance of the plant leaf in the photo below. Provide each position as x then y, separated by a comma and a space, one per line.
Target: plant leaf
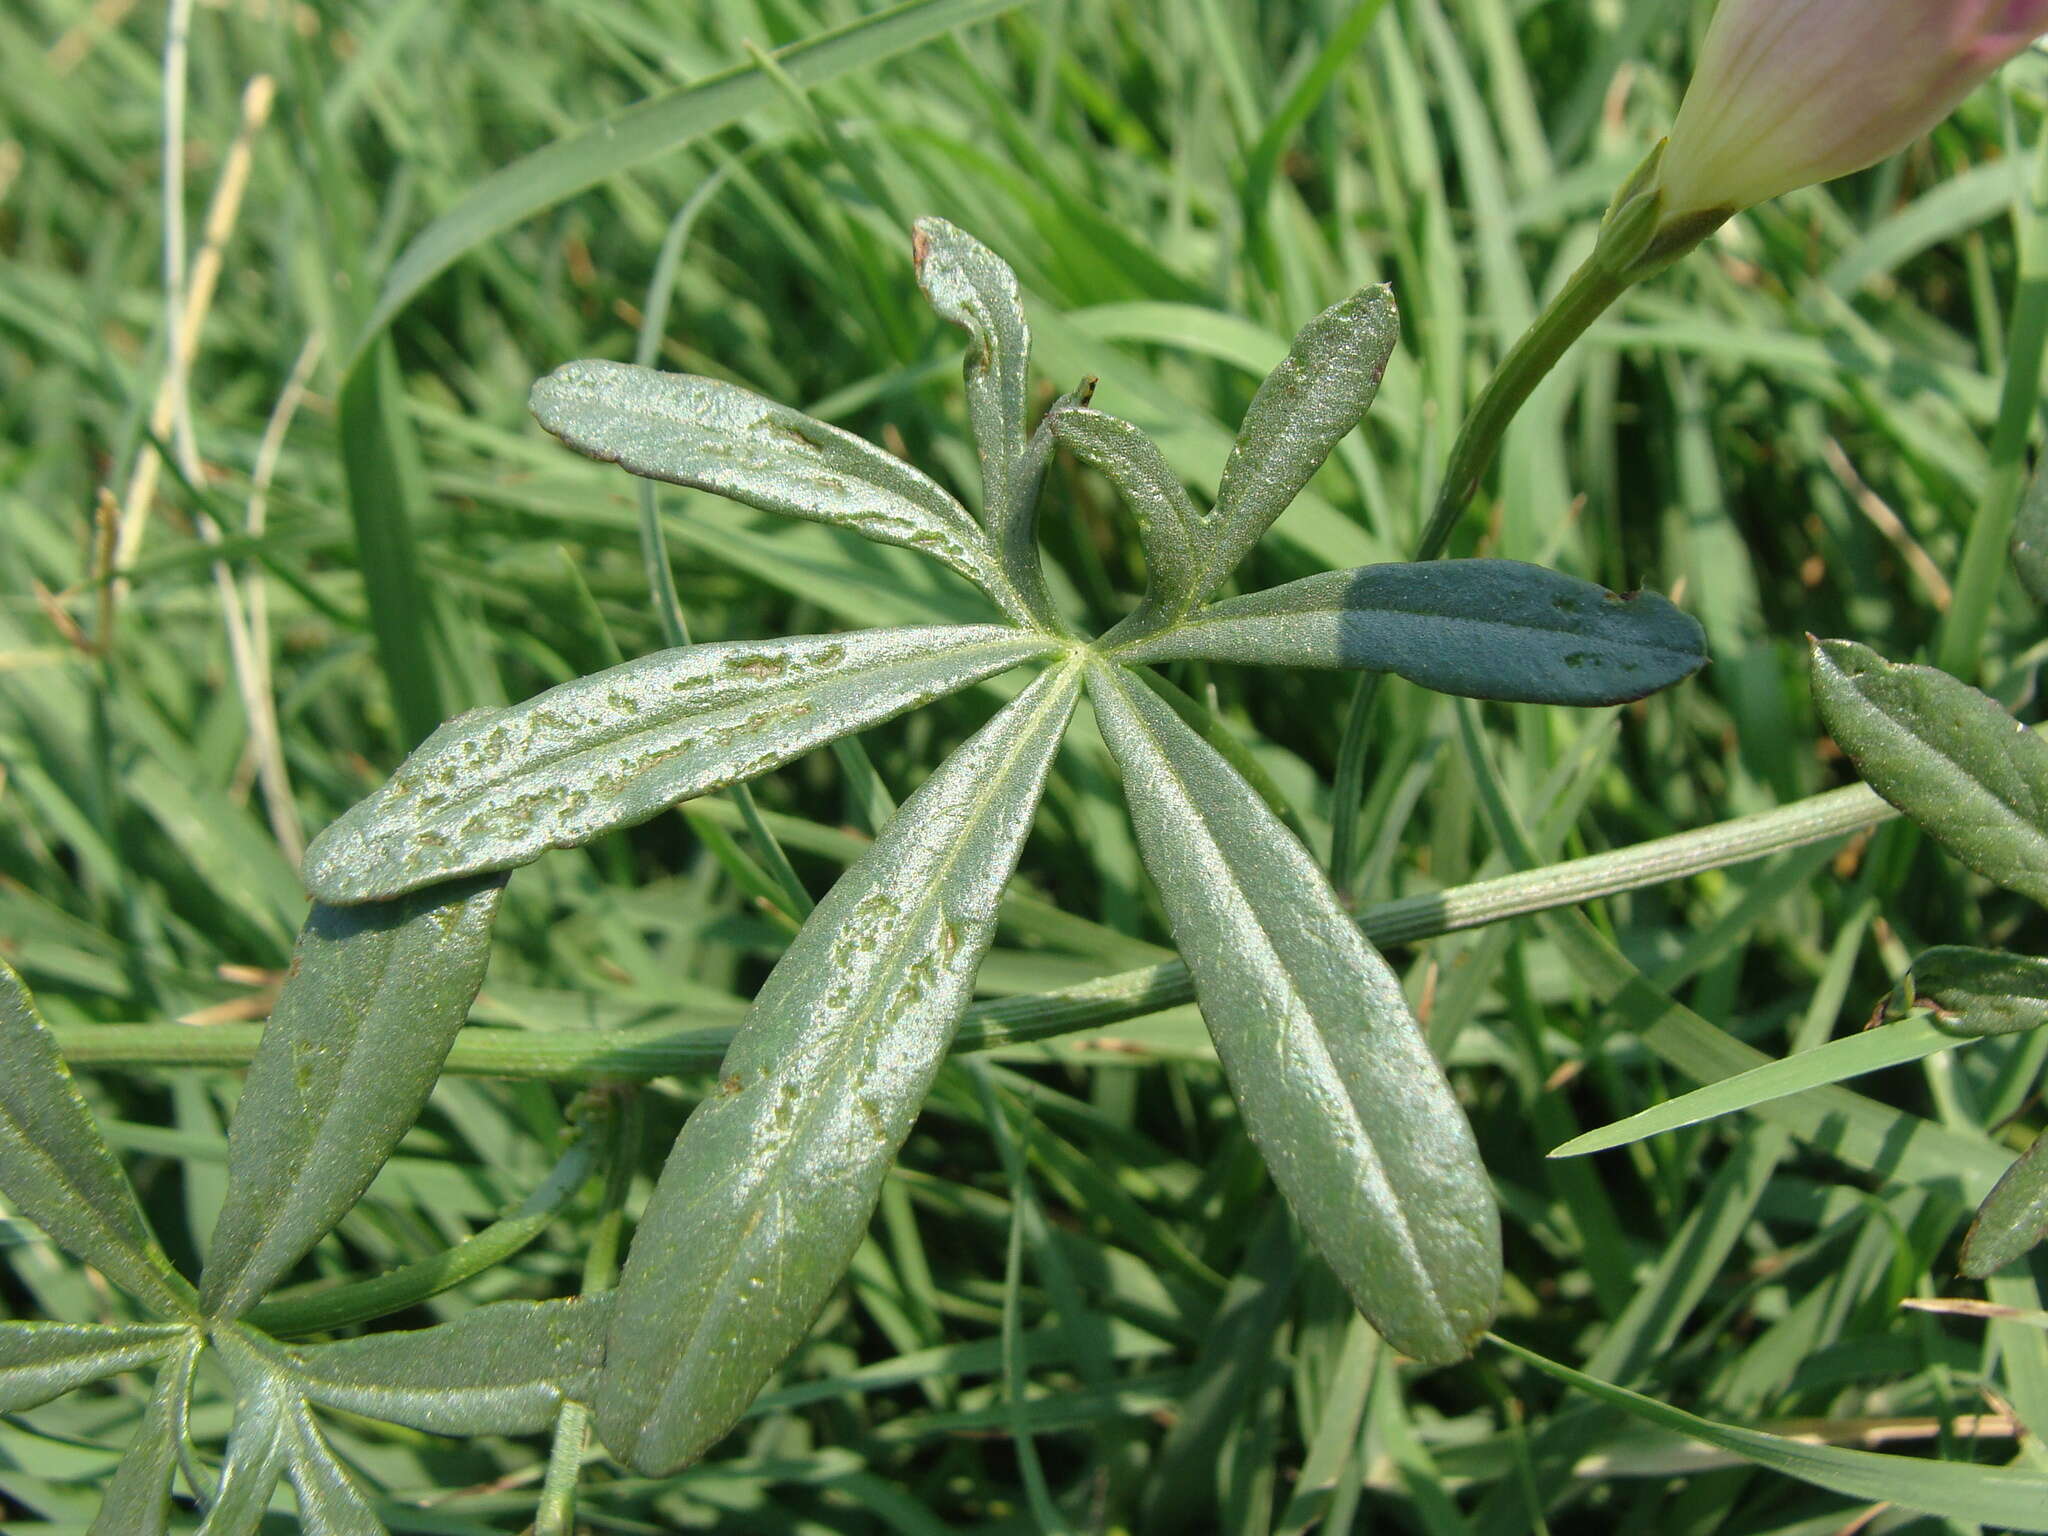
1320, 391
355, 1043
138, 1498
1949, 757
1339, 1090
2013, 1217
769, 1188
497, 788
39, 1361
2030, 537
1013, 522
1487, 629
60, 1173
2011, 1498
714, 436
502, 1369
1980, 991
258, 1444
971, 286
1851, 1056
1170, 529
330, 1502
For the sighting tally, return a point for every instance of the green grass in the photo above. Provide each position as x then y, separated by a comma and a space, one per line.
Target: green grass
1081, 1304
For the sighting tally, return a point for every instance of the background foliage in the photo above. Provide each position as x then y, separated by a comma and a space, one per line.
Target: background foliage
1791, 432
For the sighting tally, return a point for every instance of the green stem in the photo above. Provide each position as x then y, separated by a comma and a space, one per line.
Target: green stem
662, 1050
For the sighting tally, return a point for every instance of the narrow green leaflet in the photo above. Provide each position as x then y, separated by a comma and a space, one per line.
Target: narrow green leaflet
1320, 391
138, 1498
769, 1188
258, 1444
2030, 537
498, 788
1946, 755
330, 1502
971, 286
60, 1173
355, 1042
1338, 1087
502, 1369
1851, 1056
1169, 527
2014, 1216
39, 1361
717, 437
2011, 1498
1013, 522
1979, 991
1486, 629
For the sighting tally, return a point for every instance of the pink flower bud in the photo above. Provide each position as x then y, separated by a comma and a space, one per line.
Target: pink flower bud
1793, 92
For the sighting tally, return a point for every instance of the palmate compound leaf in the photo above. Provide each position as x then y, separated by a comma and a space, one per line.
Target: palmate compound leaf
768, 1190
59, 1172
138, 1497
1979, 991
371, 1004
498, 788
1319, 392
2013, 1217
718, 437
1949, 757
1486, 629
1339, 1091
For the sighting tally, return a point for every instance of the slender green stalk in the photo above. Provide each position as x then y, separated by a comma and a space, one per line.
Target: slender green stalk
661, 1050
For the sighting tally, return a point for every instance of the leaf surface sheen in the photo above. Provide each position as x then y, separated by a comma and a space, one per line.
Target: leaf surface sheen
59, 1171
1340, 1093
714, 436
502, 1369
372, 1002
41, 1361
2013, 1218
1485, 629
972, 287
769, 1188
1170, 528
1949, 757
1982, 991
138, 1497
1317, 394
498, 788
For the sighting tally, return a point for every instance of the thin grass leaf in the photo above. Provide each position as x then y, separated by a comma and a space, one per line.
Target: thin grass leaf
2030, 537
769, 1188
498, 788
138, 1498
1320, 391
1171, 530
969, 285
714, 436
1853, 1055
2012, 1498
657, 126
41, 1361
1486, 629
355, 1043
58, 1171
1339, 1090
1974, 778
1979, 991
2013, 1217
502, 1369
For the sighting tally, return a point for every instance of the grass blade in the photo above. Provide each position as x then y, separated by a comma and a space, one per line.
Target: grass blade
2014, 1216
